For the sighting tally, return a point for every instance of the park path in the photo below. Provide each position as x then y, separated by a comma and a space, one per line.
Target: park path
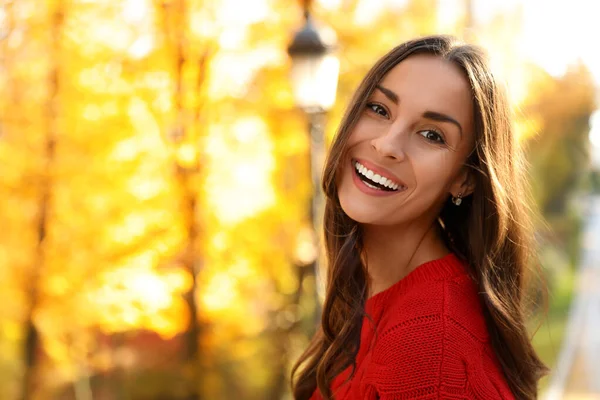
577, 374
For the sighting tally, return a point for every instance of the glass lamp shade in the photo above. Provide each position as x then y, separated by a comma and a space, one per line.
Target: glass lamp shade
314, 81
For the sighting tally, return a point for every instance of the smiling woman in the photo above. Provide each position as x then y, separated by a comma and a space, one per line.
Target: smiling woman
427, 238
410, 133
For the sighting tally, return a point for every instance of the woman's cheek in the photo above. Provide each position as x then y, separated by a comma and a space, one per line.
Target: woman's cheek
366, 128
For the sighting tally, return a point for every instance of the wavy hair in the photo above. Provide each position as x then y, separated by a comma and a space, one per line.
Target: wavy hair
493, 231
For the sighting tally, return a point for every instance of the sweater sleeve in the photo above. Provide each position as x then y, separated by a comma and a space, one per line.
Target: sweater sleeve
430, 358
406, 360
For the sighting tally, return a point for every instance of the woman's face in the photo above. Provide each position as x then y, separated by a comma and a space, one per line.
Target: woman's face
406, 154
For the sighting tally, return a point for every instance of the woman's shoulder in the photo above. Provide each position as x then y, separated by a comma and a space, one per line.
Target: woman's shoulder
441, 343
452, 303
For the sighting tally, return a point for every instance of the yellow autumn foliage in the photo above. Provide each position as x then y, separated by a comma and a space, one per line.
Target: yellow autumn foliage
153, 166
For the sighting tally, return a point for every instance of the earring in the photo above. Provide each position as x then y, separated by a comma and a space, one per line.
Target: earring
458, 199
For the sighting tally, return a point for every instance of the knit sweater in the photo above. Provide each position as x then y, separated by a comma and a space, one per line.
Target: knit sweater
431, 342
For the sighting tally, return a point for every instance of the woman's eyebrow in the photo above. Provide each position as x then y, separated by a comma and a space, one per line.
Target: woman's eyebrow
436, 116
388, 93
432, 115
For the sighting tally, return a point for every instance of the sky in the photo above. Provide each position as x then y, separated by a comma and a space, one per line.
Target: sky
555, 33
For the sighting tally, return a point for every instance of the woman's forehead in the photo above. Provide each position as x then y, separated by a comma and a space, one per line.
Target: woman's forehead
426, 82
424, 72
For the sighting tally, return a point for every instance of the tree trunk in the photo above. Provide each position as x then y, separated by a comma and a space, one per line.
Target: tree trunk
192, 333
31, 343
185, 175
278, 386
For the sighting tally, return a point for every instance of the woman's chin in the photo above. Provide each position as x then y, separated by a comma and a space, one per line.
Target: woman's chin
361, 213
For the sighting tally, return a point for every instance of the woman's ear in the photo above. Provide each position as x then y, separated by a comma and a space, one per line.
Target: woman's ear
464, 183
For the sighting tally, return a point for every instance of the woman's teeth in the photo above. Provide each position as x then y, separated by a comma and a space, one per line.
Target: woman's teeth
371, 186
376, 178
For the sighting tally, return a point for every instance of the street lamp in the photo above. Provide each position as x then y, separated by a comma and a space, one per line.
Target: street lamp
315, 67
314, 76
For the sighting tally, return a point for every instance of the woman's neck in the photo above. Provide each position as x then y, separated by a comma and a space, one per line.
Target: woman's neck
391, 253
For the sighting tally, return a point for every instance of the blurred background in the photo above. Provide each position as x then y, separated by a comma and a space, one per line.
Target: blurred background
159, 183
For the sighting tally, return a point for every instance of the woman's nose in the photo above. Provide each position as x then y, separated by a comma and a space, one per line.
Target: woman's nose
390, 145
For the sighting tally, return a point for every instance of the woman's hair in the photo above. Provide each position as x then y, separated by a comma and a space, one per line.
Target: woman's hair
492, 231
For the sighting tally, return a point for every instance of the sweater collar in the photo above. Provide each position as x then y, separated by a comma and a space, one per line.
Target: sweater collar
434, 270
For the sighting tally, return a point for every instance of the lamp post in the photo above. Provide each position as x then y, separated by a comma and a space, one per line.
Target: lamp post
314, 76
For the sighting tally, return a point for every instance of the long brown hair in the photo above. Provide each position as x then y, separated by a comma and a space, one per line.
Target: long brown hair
492, 231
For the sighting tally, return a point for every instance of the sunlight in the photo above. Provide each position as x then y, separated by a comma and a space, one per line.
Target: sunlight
150, 289
138, 14
231, 39
243, 171
239, 13
366, 10
178, 280
230, 80
228, 21
223, 295
143, 120
555, 49
145, 188
306, 250
219, 293
135, 11
141, 47
331, 4
110, 108
202, 27
187, 155
138, 297
131, 227
448, 15
103, 78
92, 112
125, 150
112, 34
540, 41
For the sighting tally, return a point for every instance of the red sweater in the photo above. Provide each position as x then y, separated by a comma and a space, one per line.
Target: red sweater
432, 341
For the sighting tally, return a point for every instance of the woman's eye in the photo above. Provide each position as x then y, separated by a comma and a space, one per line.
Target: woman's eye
378, 109
432, 136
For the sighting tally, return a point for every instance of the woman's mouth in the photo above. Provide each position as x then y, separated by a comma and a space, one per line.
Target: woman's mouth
375, 181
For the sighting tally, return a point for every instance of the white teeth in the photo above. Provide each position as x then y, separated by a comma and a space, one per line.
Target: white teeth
375, 177
382, 180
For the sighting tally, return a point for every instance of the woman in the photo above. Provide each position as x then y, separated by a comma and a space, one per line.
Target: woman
427, 237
